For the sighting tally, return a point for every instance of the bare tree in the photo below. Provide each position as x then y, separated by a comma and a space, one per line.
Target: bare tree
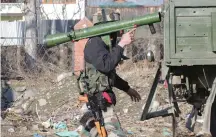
30, 33
62, 48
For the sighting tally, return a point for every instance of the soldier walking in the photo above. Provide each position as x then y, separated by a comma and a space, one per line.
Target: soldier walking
101, 60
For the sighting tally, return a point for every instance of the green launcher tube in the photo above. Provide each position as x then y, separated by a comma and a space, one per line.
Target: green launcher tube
101, 29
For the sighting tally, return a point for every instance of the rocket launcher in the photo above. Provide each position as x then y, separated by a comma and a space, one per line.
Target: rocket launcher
102, 29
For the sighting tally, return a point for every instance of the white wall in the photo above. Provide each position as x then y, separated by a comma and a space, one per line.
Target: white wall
50, 11
64, 11
11, 7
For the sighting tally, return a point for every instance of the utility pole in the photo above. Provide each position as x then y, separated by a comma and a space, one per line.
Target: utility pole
30, 34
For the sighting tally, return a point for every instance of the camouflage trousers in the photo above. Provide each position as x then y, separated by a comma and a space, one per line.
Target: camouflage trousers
112, 126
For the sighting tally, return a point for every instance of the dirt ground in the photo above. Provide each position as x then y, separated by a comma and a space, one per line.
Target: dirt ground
59, 102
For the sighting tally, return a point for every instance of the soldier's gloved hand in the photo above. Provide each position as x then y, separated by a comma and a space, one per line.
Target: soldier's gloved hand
135, 96
127, 38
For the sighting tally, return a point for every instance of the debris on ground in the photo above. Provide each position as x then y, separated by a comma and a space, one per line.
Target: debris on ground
53, 109
68, 134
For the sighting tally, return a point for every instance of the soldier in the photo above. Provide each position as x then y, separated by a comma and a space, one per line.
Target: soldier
101, 61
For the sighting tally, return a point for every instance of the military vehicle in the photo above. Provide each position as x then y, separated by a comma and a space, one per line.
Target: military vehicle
189, 64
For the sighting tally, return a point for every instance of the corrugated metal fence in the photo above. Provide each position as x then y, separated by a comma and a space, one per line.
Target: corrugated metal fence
13, 33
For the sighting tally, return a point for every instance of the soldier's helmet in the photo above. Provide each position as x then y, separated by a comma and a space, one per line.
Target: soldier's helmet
105, 15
